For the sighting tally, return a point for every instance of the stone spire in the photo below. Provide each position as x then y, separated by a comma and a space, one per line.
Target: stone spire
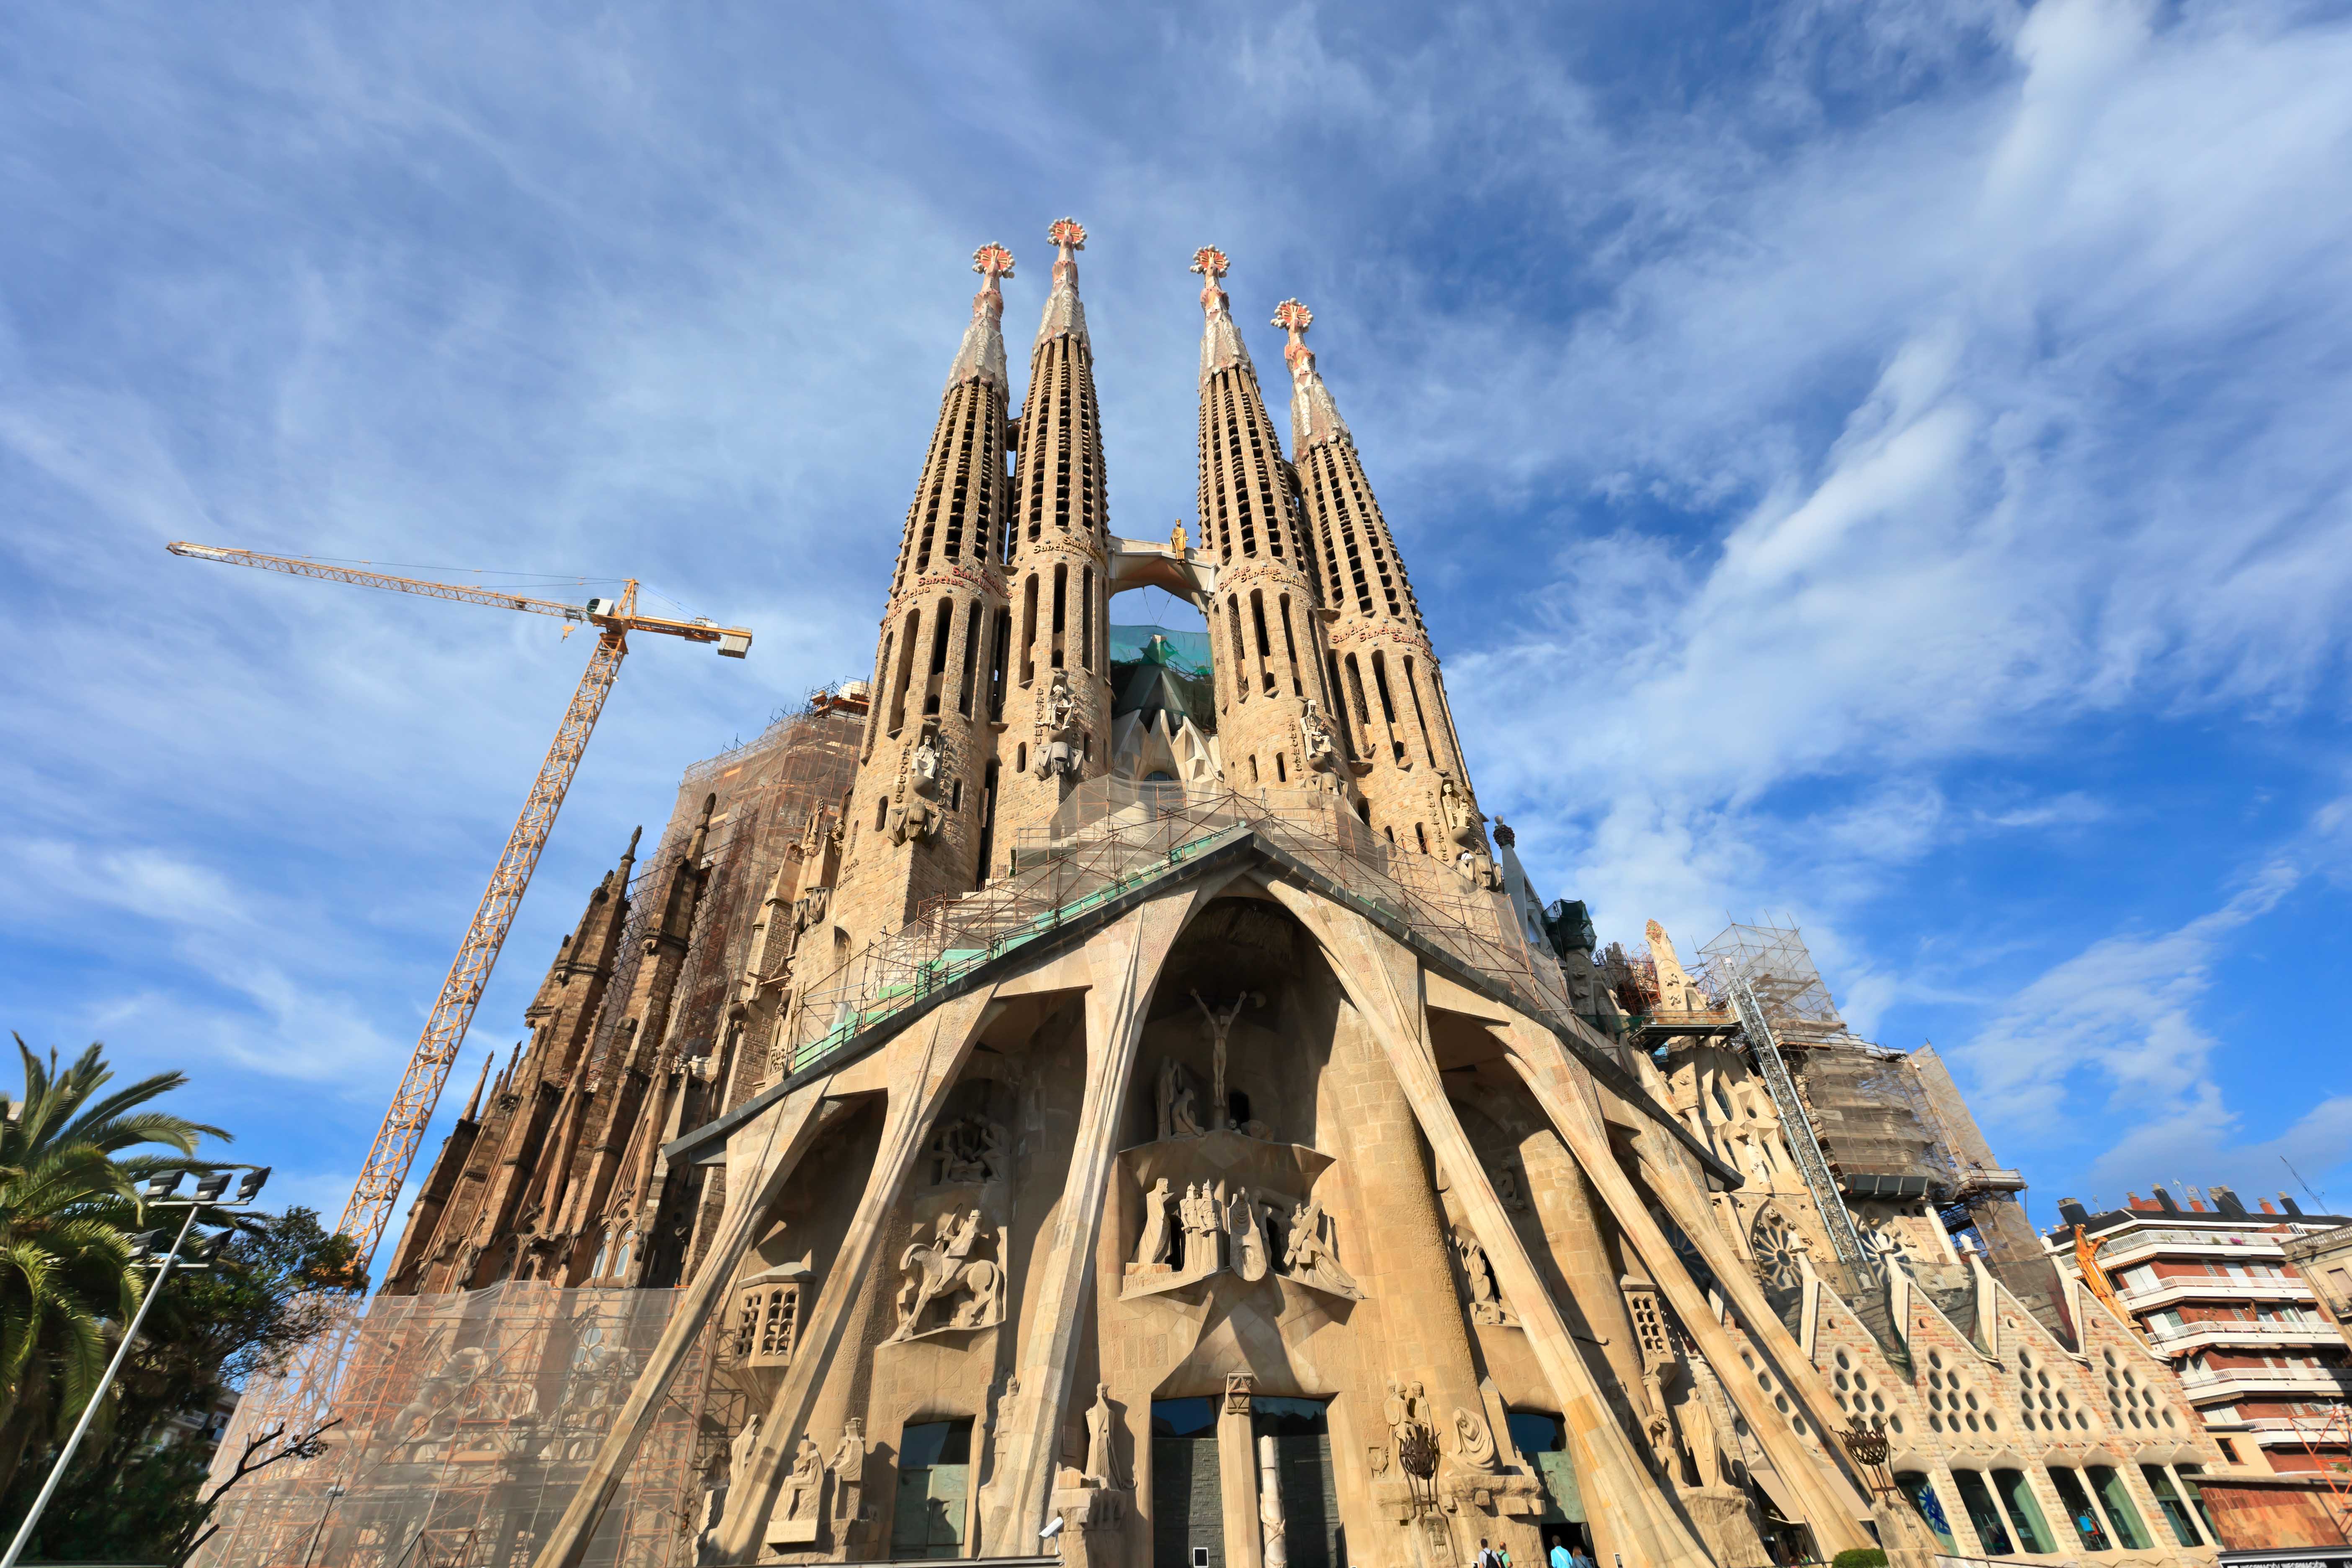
980, 357
1058, 721
1064, 316
1220, 341
1314, 417
1399, 724
917, 810
1273, 695
473, 1111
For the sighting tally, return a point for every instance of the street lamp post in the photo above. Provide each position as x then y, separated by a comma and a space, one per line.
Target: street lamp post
160, 1187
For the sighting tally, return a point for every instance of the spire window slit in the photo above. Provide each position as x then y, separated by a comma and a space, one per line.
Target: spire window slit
1413, 688
965, 683
904, 673
1028, 630
1291, 647
935, 677
1061, 596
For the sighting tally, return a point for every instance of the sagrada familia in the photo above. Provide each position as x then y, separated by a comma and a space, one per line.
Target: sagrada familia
1055, 1099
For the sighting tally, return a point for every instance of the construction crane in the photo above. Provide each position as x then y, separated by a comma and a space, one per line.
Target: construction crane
309, 1385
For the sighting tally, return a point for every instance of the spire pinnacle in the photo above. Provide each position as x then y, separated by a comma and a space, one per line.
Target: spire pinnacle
1220, 341
1314, 416
474, 1107
981, 356
1063, 315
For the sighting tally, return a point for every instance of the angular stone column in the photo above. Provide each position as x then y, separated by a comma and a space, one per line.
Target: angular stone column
927, 1061
1542, 1063
1121, 966
1628, 1513
772, 1146
1237, 1480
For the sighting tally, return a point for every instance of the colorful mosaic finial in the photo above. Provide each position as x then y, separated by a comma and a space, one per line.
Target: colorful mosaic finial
1065, 317
1220, 341
992, 261
1314, 417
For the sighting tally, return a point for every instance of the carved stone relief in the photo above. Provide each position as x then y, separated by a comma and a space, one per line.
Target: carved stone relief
1484, 1299
968, 1151
951, 1282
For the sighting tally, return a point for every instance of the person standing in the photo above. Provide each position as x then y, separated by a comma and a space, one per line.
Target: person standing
1560, 1557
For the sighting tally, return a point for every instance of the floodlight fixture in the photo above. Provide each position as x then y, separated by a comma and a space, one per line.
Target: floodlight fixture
212, 1184
163, 1184
250, 1188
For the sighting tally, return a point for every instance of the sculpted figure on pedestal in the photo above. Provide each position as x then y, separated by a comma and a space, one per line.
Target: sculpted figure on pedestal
1154, 1247
916, 814
1102, 1456
1061, 743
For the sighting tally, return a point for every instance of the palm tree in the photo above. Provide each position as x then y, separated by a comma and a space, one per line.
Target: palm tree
68, 1207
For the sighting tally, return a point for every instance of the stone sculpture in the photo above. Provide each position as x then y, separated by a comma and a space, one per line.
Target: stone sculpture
1219, 1028
796, 1518
1061, 744
1248, 1240
944, 1270
1102, 1456
1154, 1248
1315, 740
916, 814
1472, 1442
1478, 1279
1308, 1259
848, 1467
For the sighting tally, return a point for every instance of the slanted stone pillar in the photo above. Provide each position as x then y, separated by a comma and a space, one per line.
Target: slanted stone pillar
924, 1063
1629, 1513
1542, 1063
1121, 965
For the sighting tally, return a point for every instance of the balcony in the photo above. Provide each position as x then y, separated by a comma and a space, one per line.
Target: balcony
2239, 1381
2175, 1339
2135, 1247
2211, 1288
2288, 1432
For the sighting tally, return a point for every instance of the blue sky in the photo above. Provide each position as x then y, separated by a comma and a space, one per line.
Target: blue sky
1876, 465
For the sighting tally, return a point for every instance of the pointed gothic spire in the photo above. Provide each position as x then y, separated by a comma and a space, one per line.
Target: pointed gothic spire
1065, 317
981, 355
1220, 341
1314, 416
701, 830
473, 1111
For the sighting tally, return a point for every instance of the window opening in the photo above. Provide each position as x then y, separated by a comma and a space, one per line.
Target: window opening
1061, 591
938, 675
2079, 1511
1029, 629
905, 672
1000, 648
2168, 1502
1916, 1486
881, 814
1984, 1514
1086, 621
1412, 689
1388, 705
1187, 1495
1291, 647
2121, 1511
987, 824
970, 662
1264, 645
2025, 1515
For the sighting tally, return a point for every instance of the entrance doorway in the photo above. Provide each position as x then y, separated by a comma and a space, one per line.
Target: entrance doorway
1188, 1514
934, 1489
1302, 1455
1541, 1436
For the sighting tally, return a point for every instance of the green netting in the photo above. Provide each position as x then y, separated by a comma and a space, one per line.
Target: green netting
1187, 653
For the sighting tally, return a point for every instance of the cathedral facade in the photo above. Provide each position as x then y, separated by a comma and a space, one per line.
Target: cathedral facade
1094, 1107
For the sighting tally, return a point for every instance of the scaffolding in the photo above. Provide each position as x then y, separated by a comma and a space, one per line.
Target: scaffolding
468, 1422
1112, 836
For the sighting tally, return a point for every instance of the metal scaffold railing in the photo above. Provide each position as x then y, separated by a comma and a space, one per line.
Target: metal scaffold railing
1112, 836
